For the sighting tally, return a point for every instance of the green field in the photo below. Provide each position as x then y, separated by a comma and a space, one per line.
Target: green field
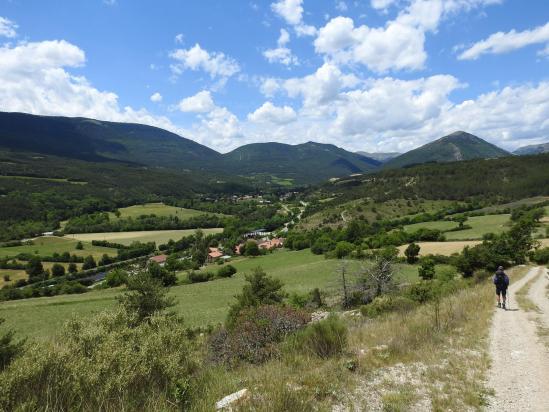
442, 225
200, 304
158, 209
481, 225
126, 238
47, 245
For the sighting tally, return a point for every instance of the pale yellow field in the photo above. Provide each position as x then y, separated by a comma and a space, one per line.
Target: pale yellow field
447, 248
125, 238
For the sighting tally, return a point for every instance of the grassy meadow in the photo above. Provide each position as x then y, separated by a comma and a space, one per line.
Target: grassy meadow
126, 238
158, 209
48, 245
480, 225
200, 303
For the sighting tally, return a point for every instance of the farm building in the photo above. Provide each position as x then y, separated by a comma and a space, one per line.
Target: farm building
160, 259
214, 254
271, 243
257, 233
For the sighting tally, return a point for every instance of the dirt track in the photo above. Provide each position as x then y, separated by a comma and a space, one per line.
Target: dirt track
520, 360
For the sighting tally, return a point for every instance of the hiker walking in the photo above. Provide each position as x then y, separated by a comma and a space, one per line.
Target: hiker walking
501, 280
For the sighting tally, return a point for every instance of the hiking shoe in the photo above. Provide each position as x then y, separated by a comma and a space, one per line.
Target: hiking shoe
503, 306
499, 305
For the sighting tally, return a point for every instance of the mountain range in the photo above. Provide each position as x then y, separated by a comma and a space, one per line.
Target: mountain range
381, 156
135, 144
532, 149
454, 147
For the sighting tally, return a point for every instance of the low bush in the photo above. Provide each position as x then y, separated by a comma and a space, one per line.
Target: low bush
387, 304
540, 256
325, 339
226, 271
255, 334
101, 363
197, 277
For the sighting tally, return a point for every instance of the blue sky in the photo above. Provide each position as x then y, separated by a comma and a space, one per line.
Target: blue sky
374, 75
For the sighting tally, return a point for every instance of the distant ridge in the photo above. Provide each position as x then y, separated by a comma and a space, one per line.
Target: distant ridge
454, 147
306, 162
381, 156
100, 141
532, 149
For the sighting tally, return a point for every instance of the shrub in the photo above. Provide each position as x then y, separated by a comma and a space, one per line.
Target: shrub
412, 252
8, 348
146, 296
255, 334
260, 290
144, 367
480, 276
197, 277
158, 272
343, 249
58, 270
226, 271
79, 246
73, 268
116, 277
325, 339
89, 263
540, 256
387, 303
7, 278
427, 269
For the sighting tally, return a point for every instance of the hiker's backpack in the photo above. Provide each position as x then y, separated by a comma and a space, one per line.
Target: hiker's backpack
500, 279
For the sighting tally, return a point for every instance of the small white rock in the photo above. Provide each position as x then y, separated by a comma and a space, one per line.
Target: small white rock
228, 400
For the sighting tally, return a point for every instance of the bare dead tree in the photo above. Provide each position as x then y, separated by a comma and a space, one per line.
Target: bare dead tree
376, 278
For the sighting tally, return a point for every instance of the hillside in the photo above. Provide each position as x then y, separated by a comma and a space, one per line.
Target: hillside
100, 141
532, 149
304, 163
454, 147
381, 156
93, 140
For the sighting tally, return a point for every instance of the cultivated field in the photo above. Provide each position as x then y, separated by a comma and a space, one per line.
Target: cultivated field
14, 275
158, 209
200, 303
126, 238
48, 245
448, 248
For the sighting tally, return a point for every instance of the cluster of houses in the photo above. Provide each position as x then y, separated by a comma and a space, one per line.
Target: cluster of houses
259, 236
265, 244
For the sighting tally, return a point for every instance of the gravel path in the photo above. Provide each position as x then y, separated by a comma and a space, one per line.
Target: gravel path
520, 361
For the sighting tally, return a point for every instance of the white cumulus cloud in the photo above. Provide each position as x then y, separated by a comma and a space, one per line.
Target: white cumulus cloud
501, 42
156, 97
216, 64
201, 102
269, 113
397, 45
292, 12
7, 28
281, 54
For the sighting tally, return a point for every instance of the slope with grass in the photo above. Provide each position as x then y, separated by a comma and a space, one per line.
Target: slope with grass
126, 238
201, 303
158, 209
48, 245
